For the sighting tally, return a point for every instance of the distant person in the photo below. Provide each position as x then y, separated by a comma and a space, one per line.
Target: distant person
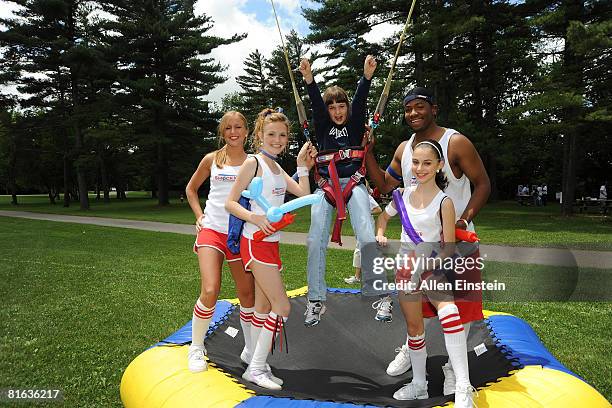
603, 193
525, 190
603, 196
356, 278
544, 194
539, 196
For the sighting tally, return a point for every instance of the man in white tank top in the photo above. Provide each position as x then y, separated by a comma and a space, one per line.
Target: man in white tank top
462, 166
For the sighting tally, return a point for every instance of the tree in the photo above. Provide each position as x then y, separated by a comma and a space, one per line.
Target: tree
163, 56
254, 84
50, 55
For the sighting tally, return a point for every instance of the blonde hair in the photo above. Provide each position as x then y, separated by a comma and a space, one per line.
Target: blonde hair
221, 153
268, 115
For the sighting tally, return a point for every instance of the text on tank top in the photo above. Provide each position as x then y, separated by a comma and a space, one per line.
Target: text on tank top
222, 179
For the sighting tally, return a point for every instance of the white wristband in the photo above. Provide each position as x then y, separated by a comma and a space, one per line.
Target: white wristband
302, 171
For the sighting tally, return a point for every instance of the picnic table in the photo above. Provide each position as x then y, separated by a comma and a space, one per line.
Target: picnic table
524, 199
593, 204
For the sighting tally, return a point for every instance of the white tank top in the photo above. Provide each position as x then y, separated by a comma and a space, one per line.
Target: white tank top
458, 189
426, 221
222, 179
274, 188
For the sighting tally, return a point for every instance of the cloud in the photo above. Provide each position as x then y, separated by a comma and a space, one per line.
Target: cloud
382, 31
240, 16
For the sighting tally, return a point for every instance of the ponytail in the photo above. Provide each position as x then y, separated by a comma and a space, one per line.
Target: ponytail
221, 156
441, 180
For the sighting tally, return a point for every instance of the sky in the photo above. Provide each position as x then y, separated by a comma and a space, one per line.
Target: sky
254, 17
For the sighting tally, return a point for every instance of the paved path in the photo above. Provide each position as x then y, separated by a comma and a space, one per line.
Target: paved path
541, 256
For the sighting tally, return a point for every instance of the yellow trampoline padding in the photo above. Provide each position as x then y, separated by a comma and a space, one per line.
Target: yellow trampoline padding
159, 378
535, 386
488, 313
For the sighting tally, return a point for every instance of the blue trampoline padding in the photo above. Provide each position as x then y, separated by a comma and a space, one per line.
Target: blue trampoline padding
523, 343
183, 335
261, 401
343, 290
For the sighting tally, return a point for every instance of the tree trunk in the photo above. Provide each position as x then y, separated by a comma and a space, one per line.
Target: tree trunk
104, 177
492, 170
574, 72
12, 182
51, 197
162, 175
569, 174
66, 181
74, 113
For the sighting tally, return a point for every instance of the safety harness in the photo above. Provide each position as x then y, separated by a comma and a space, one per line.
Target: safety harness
334, 194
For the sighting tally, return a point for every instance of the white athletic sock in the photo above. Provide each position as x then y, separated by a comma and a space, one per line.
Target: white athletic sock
264, 343
256, 325
246, 317
454, 338
418, 356
200, 322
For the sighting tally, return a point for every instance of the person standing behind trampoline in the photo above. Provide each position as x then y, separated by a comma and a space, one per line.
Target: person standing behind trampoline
271, 136
221, 166
432, 214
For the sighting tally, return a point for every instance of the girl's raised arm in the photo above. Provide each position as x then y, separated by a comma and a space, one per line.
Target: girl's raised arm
305, 161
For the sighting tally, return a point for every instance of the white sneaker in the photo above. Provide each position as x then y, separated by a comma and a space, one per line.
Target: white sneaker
384, 309
245, 356
313, 313
196, 359
260, 378
401, 363
412, 391
352, 280
449, 379
464, 396
274, 378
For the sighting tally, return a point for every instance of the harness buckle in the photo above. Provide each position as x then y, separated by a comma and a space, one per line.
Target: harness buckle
344, 154
357, 176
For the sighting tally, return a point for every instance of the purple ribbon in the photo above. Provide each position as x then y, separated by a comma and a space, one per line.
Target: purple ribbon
401, 209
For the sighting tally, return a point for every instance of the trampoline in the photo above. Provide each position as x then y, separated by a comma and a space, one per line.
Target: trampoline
342, 361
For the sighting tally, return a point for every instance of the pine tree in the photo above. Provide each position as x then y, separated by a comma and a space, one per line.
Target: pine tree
254, 85
52, 39
163, 53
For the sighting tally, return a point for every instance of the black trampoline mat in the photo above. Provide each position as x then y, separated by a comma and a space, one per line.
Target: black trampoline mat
344, 358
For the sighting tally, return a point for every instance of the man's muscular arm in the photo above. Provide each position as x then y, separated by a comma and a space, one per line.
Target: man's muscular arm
382, 179
468, 160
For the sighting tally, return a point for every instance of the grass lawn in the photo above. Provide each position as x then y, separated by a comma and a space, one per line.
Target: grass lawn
79, 303
501, 223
